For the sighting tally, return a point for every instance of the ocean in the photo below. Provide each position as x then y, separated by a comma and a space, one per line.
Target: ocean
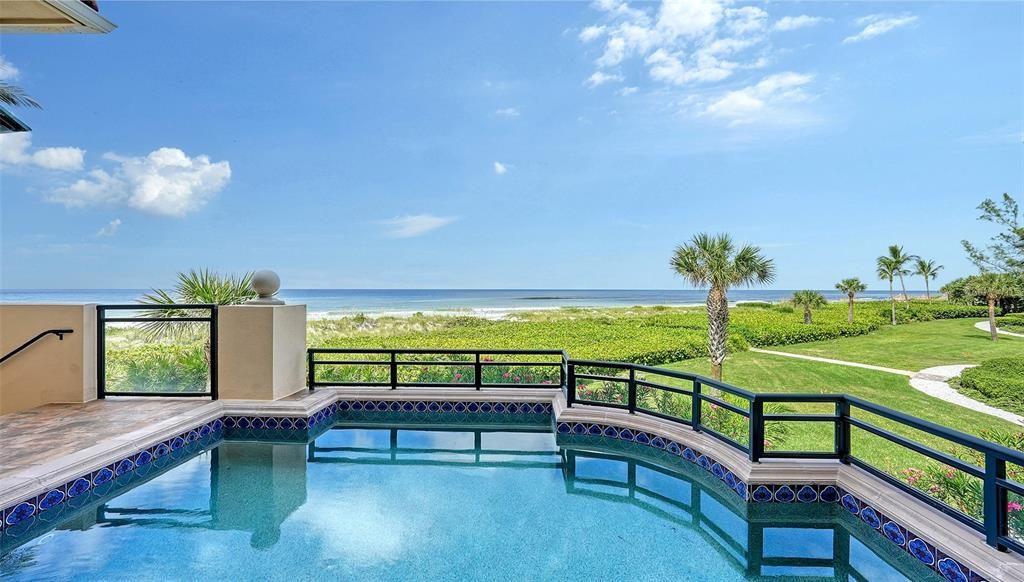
481, 302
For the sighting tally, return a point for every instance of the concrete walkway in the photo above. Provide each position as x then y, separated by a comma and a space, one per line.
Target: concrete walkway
831, 361
932, 381
983, 326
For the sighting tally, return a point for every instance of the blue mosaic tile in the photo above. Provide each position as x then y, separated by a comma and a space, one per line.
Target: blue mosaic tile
143, 458
851, 504
895, 533
784, 494
78, 487
761, 494
807, 494
102, 476
951, 570
19, 513
921, 550
50, 499
870, 517
829, 494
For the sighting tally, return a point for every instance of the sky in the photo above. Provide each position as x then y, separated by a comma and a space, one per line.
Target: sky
507, 145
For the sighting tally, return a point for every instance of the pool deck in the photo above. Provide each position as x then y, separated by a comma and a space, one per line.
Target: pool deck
52, 444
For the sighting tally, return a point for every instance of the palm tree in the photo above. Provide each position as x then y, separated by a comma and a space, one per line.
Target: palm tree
851, 287
808, 300
993, 287
928, 270
899, 264
887, 272
194, 286
16, 97
713, 261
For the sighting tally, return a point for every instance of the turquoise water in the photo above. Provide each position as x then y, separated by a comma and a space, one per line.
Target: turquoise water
415, 503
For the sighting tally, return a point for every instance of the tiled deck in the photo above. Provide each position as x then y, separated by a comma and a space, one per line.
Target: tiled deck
55, 430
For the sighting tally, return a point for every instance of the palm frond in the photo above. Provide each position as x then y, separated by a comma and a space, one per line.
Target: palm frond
16, 97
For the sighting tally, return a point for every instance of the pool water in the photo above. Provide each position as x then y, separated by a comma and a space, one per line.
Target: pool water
492, 502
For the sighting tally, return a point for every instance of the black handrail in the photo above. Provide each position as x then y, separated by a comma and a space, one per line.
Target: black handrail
996, 485
57, 332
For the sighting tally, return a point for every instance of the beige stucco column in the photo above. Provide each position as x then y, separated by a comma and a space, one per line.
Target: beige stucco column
261, 351
49, 370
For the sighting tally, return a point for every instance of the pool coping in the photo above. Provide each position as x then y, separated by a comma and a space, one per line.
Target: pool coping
860, 492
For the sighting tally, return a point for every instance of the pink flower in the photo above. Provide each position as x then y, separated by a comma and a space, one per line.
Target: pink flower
950, 473
506, 375
458, 377
1014, 506
714, 406
546, 382
516, 378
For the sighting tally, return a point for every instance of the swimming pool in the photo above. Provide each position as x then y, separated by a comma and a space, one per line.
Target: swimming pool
401, 501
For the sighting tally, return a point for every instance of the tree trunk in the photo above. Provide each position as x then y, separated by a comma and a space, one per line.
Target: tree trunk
992, 318
849, 310
892, 302
903, 288
927, 290
807, 315
718, 329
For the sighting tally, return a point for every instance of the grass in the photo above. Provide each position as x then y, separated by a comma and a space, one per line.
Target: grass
768, 373
916, 346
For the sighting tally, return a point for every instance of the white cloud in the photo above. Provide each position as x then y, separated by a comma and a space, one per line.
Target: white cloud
15, 150
685, 42
591, 33
599, 78
787, 23
166, 182
8, 72
763, 101
879, 24
627, 91
414, 225
110, 228
500, 168
507, 113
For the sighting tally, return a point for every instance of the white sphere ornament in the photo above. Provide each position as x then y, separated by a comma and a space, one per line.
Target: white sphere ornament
266, 283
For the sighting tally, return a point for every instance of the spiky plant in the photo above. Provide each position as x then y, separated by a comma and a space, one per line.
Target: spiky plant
713, 261
808, 300
851, 287
929, 270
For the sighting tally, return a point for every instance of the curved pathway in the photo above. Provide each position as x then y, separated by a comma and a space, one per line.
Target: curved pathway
932, 381
983, 326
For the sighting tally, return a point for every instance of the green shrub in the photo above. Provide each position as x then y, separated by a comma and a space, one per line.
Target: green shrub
999, 382
755, 304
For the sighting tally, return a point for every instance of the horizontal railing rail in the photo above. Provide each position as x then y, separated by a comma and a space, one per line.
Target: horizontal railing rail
181, 313
392, 362
60, 333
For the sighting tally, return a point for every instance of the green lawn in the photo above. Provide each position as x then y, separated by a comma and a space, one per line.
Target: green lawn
916, 346
767, 373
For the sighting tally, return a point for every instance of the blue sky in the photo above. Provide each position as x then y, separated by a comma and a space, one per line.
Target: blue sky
523, 145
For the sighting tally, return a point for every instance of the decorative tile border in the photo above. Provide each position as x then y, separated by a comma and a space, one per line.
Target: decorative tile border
136, 462
441, 406
909, 542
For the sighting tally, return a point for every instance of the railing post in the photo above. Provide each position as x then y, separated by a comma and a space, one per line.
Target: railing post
310, 370
101, 352
994, 501
756, 445
631, 396
843, 430
394, 370
563, 371
695, 406
478, 372
570, 385
214, 391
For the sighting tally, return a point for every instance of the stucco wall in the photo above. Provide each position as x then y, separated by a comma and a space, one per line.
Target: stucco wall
262, 350
49, 371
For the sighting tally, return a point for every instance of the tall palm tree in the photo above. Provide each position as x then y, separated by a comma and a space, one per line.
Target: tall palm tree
809, 300
713, 261
194, 286
851, 287
899, 260
929, 270
993, 287
887, 272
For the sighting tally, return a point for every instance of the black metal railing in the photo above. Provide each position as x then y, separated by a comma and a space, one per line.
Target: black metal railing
635, 381
466, 368
60, 333
180, 313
